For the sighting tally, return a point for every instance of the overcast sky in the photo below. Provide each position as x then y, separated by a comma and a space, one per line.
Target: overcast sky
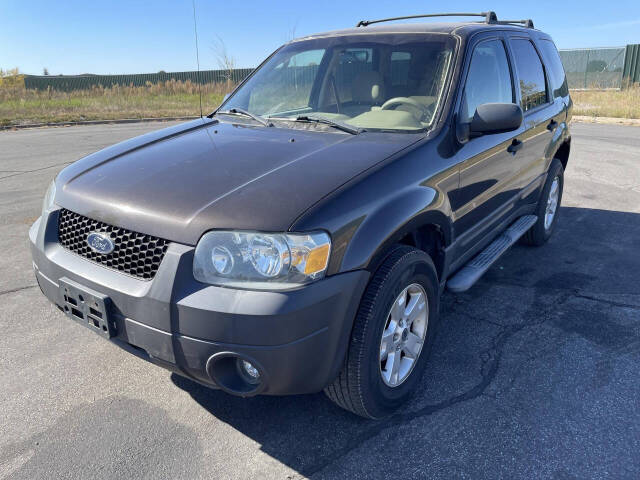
72, 37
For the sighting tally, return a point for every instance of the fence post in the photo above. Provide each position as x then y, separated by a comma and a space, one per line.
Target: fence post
624, 64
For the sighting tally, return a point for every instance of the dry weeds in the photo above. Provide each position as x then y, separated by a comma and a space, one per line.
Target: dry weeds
607, 103
19, 106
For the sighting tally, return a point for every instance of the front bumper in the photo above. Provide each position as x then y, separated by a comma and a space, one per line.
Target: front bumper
297, 339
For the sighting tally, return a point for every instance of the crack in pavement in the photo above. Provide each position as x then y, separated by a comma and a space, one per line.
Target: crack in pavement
490, 361
609, 302
22, 172
14, 290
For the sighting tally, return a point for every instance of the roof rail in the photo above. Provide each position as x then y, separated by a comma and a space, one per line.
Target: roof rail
489, 17
527, 23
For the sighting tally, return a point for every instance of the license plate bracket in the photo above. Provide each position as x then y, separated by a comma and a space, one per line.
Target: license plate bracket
87, 307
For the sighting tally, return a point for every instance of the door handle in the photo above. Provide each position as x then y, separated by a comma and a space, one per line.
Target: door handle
552, 125
515, 146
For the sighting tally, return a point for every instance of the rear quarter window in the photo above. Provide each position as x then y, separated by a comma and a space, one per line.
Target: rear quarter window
557, 76
533, 88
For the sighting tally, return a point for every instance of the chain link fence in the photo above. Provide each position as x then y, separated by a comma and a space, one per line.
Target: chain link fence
594, 68
69, 83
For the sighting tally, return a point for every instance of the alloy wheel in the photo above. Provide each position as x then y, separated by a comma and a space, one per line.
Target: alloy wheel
404, 335
552, 203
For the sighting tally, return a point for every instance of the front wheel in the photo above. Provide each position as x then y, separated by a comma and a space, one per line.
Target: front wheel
548, 206
391, 337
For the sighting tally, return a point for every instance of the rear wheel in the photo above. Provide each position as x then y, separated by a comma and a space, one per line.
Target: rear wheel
548, 206
391, 337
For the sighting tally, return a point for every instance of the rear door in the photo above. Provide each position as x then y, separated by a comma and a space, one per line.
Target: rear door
489, 181
533, 94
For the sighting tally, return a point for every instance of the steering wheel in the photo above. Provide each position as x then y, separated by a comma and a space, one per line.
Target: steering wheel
396, 101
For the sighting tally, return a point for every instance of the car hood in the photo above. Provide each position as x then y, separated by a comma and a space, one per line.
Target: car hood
181, 181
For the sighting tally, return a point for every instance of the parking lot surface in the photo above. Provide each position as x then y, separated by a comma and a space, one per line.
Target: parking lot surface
535, 371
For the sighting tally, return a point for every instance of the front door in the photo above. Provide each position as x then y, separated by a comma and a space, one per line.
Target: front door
489, 172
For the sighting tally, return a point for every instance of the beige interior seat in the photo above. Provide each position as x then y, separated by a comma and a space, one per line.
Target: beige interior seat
367, 90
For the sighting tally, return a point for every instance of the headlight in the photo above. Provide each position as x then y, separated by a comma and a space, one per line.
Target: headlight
261, 261
49, 196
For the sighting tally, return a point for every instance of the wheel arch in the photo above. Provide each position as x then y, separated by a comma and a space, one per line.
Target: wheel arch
425, 227
562, 153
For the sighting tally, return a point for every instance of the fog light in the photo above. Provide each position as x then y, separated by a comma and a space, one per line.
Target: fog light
248, 371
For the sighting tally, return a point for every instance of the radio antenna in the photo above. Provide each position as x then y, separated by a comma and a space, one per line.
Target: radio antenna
195, 32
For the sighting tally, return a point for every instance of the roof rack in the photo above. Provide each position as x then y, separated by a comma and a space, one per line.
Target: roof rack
489, 17
527, 23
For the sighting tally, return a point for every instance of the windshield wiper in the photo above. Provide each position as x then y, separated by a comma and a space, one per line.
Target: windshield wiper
339, 125
240, 111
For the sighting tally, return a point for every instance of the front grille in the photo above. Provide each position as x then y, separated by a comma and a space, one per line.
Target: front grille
134, 253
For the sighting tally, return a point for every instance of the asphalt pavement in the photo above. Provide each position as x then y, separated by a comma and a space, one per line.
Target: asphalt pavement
535, 371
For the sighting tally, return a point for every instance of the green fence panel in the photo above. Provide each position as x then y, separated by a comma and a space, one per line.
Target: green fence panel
631, 72
594, 67
67, 83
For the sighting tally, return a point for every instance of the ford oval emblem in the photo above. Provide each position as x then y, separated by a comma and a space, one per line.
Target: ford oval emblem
100, 242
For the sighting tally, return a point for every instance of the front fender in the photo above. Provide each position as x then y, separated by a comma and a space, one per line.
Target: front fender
391, 221
379, 208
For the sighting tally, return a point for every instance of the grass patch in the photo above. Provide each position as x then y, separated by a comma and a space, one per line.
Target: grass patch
607, 103
19, 106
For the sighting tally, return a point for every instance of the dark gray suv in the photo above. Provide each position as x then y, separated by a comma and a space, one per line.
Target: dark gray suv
299, 237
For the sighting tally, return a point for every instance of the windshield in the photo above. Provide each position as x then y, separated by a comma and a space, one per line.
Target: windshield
372, 82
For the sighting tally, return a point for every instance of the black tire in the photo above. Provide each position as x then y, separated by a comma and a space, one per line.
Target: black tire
360, 388
538, 234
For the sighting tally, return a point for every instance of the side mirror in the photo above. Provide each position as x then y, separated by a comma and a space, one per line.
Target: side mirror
495, 118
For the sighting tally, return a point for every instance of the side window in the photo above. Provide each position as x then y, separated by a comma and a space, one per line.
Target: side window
557, 77
488, 80
531, 74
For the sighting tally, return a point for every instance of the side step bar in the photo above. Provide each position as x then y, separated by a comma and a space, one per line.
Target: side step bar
469, 274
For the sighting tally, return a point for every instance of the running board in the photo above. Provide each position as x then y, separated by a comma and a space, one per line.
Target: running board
469, 274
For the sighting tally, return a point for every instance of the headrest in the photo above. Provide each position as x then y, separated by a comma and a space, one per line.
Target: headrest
368, 87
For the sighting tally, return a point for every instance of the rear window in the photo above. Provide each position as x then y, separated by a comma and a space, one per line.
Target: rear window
557, 77
530, 74
400, 64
